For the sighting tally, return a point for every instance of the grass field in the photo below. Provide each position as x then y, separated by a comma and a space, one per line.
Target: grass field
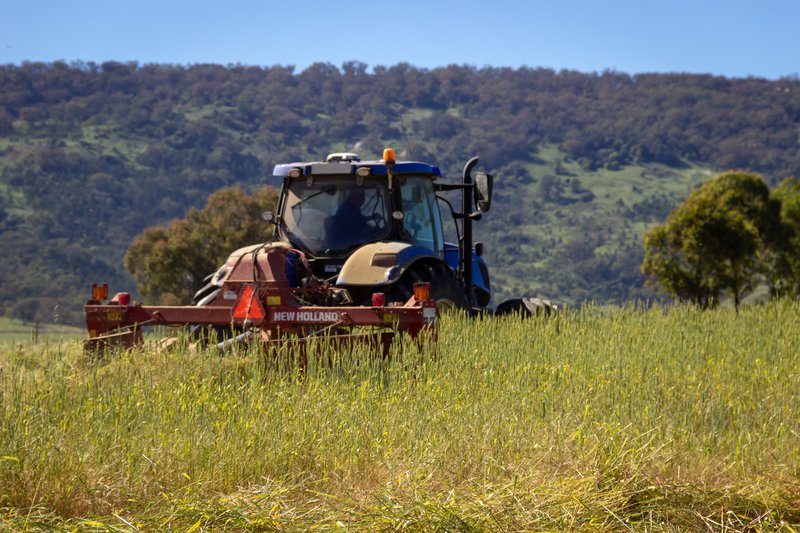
604, 420
16, 331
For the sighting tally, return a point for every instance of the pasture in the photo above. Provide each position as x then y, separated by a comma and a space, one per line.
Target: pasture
15, 331
623, 419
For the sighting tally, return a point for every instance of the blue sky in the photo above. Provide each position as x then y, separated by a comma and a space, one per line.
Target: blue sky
734, 38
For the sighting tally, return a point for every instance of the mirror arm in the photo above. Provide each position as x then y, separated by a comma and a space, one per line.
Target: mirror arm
450, 187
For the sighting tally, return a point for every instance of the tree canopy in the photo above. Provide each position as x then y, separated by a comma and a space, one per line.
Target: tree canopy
718, 242
785, 274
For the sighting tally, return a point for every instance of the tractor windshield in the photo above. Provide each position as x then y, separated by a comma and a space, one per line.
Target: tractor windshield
331, 216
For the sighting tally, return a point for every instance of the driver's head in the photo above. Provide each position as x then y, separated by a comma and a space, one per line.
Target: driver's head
356, 197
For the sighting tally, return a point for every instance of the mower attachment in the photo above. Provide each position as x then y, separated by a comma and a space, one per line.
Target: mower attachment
256, 299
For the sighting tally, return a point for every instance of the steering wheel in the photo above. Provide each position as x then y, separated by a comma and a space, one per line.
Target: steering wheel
375, 220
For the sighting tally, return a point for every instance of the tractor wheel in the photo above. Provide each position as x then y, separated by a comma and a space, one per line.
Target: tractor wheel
446, 291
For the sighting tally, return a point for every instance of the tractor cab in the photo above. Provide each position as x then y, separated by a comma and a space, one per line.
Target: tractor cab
331, 209
331, 216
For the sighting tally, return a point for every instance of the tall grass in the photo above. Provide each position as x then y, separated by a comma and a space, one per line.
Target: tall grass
666, 419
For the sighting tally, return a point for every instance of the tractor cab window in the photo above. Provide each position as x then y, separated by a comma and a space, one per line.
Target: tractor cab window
421, 217
332, 216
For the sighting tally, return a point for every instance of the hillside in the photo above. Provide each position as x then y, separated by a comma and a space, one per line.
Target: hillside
575, 233
91, 154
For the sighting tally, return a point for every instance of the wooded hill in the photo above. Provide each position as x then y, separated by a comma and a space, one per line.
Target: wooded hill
92, 154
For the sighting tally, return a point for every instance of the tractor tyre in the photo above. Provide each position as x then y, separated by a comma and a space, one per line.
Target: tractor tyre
446, 291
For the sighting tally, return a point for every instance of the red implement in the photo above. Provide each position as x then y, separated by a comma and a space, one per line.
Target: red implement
255, 298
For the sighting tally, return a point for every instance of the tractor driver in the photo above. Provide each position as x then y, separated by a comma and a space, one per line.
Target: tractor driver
349, 224
348, 217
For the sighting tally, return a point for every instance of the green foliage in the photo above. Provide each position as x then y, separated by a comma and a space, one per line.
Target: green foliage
92, 154
784, 277
716, 242
170, 263
666, 419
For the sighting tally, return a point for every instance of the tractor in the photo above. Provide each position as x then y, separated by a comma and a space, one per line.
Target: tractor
377, 227
358, 251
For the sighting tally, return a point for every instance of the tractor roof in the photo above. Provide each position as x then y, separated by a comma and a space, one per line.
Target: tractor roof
349, 164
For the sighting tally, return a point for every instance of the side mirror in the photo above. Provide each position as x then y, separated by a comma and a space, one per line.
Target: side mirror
268, 216
483, 191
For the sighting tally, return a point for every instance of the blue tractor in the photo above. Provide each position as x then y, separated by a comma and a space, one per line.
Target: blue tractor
375, 227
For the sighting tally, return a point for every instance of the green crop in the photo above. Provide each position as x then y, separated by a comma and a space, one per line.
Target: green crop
607, 419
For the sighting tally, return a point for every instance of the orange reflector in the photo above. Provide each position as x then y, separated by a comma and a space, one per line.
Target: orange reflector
248, 305
422, 291
388, 155
100, 292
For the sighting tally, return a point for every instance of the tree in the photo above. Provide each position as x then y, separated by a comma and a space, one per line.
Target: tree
784, 274
170, 263
717, 242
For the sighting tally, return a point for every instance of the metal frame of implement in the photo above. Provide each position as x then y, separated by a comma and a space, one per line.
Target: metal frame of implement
257, 297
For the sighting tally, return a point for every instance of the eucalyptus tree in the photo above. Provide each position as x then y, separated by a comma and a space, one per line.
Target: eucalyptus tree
717, 243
